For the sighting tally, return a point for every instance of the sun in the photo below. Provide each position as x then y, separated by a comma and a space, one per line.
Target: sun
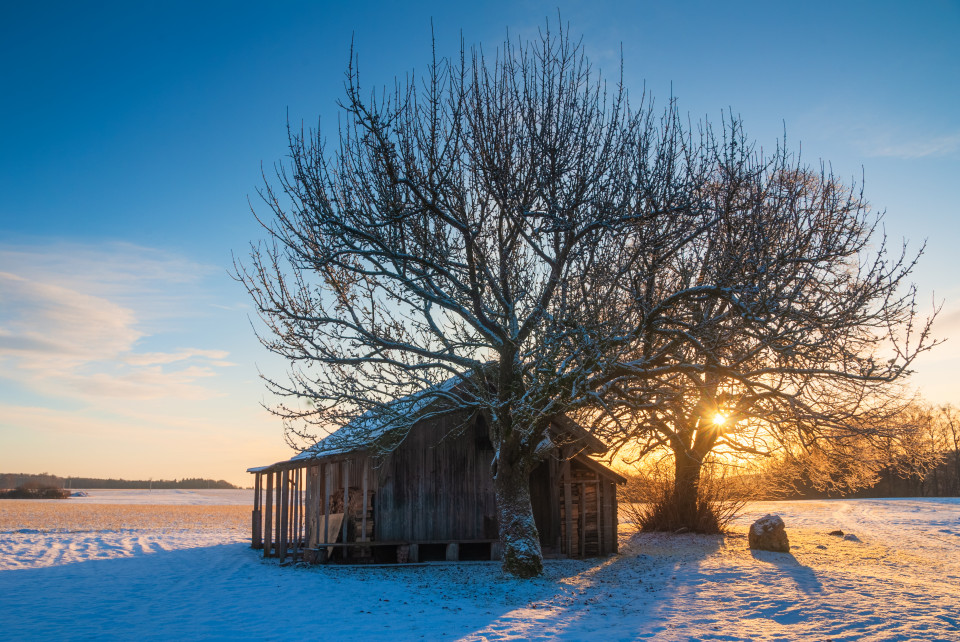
719, 419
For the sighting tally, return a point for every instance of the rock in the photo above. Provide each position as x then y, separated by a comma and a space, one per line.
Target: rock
850, 537
836, 533
768, 534
821, 547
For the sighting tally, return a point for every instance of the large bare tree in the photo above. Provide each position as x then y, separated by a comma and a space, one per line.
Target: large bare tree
464, 228
779, 327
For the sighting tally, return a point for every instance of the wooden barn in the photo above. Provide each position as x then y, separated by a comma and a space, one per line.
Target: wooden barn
430, 498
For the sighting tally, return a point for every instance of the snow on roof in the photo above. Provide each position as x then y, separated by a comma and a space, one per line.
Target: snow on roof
363, 431
367, 429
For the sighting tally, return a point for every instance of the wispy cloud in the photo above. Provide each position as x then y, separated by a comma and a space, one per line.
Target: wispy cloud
47, 325
933, 146
73, 318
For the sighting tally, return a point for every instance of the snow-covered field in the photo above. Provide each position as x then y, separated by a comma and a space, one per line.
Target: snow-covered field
175, 564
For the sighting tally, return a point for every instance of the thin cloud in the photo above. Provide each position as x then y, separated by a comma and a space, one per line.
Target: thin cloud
920, 148
218, 357
72, 319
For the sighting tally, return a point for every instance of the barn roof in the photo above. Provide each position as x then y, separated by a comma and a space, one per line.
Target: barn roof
366, 430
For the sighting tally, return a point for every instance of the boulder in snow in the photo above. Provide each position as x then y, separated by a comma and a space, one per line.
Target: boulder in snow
836, 533
850, 537
768, 534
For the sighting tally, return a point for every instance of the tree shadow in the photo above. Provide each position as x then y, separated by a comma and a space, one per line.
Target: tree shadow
228, 591
607, 598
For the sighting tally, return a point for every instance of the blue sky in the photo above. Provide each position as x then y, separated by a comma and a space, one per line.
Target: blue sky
133, 134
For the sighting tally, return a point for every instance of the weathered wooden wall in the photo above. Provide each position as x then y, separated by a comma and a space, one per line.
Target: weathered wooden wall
438, 487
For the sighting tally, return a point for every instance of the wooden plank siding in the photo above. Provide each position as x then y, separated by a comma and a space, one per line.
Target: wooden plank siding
436, 486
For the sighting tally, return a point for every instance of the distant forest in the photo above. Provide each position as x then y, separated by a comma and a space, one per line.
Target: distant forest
16, 480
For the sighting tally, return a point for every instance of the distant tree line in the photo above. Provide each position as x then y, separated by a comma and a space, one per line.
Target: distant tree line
16, 480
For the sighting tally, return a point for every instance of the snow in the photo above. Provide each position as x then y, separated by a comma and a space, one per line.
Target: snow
147, 581
362, 431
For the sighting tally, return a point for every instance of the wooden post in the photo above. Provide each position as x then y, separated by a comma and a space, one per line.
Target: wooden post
363, 524
345, 471
600, 546
300, 508
278, 491
284, 514
299, 487
614, 519
567, 508
582, 518
326, 504
307, 502
295, 500
268, 527
317, 506
255, 536
453, 552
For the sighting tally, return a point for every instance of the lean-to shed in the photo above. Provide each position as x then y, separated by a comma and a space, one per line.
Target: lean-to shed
429, 497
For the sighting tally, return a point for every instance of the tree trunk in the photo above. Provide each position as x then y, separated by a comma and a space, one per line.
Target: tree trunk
519, 539
686, 489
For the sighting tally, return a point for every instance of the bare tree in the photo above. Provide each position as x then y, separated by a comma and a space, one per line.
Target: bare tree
779, 328
948, 417
458, 248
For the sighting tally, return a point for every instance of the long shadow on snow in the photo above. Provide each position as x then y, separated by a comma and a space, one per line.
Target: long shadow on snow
229, 592
606, 599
